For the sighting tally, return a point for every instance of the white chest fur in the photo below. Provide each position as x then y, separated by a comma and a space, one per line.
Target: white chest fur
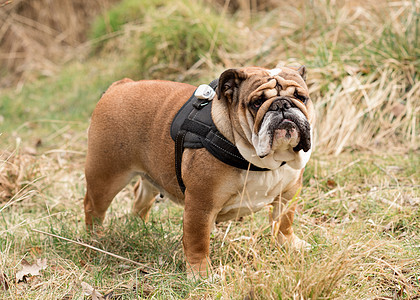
258, 189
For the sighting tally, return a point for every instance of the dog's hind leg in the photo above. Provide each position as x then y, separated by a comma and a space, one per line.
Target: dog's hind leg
145, 194
101, 189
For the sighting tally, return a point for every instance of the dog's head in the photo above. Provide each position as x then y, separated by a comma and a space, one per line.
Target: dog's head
271, 110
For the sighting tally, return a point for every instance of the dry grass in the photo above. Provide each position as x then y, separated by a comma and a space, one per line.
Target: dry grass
362, 58
246, 6
36, 35
360, 205
16, 177
361, 215
364, 67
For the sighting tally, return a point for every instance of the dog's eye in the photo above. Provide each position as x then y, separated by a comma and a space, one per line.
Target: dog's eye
300, 97
257, 103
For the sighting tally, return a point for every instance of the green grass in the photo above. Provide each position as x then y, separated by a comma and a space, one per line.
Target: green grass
359, 206
67, 98
115, 18
352, 230
167, 38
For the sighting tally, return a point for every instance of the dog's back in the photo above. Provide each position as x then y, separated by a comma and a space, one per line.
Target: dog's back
119, 143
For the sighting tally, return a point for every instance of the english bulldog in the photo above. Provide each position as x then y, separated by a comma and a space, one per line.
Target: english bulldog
266, 113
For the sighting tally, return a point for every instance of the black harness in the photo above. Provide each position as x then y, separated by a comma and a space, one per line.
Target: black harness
193, 127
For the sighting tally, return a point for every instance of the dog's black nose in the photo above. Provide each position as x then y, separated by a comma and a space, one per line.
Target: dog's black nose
280, 104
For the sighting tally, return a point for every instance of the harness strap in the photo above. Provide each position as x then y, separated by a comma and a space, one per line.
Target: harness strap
208, 135
189, 126
196, 127
179, 149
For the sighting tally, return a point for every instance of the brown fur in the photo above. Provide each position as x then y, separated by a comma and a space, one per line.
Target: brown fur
129, 135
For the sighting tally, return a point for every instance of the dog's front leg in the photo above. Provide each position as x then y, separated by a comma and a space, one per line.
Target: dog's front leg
281, 219
198, 222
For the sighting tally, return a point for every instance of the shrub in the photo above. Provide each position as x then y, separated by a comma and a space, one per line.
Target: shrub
124, 12
170, 37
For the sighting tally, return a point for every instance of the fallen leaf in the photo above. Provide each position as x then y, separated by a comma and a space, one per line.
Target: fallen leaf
146, 289
331, 183
38, 143
29, 150
67, 297
414, 201
398, 109
250, 295
36, 251
4, 282
394, 169
88, 290
97, 296
31, 270
33, 281
353, 206
82, 262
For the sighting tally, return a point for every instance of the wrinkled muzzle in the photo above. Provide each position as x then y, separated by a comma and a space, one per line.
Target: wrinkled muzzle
283, 126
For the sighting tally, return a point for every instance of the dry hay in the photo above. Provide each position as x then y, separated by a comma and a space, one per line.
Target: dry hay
34, 35
247, 5
378, 111
17, 175
366, 94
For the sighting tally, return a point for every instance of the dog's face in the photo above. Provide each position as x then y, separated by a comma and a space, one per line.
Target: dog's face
271, 110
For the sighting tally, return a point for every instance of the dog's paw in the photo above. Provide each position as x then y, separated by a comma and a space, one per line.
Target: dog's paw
292, 242
213, 278
207, 277
200, 271
299, 244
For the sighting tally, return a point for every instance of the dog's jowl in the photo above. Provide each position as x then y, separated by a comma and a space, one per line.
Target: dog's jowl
256, 131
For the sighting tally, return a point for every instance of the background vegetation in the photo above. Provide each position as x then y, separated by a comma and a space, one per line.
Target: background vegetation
360, 204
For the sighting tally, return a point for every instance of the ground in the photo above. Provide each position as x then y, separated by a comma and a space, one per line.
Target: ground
360, 203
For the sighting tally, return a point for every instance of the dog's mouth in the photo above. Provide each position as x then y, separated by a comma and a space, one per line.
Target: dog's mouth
282, 130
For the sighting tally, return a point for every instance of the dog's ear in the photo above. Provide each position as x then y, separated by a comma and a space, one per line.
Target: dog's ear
302, 72
228, 84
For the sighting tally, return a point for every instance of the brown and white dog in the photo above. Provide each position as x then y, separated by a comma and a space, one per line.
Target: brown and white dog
266, 113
